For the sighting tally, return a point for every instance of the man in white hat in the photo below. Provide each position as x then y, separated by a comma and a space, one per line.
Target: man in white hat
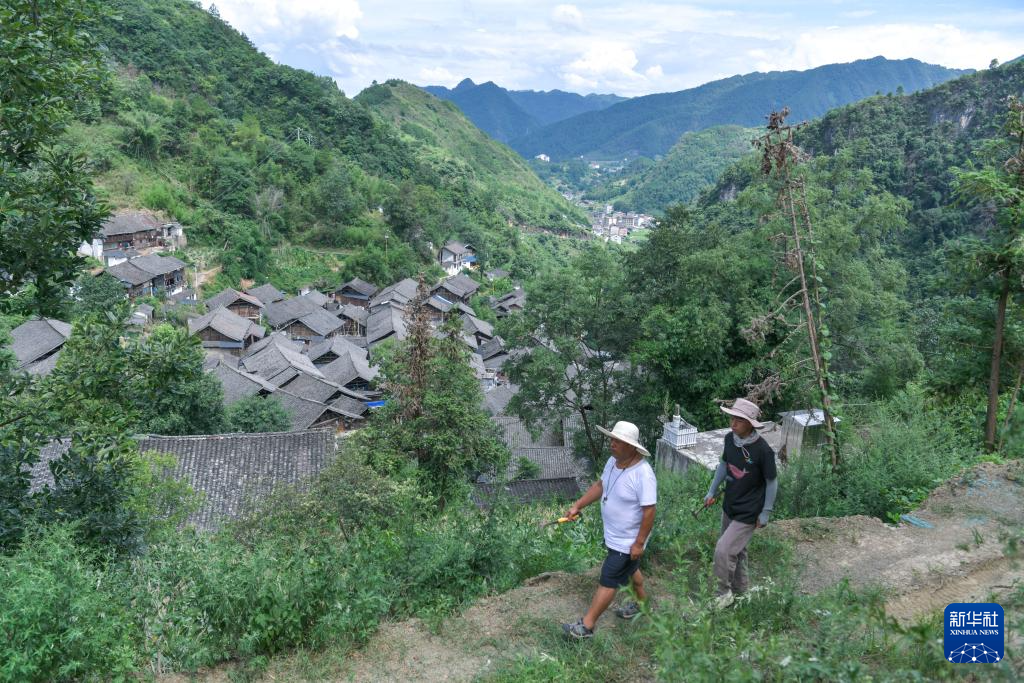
628, 492
751, 484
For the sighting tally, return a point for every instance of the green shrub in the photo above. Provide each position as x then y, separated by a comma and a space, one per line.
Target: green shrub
63, 615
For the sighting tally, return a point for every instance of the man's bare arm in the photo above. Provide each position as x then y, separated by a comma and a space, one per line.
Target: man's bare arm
592, 494
646, 524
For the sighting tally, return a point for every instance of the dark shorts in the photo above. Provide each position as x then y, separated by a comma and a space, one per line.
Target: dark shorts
617, 569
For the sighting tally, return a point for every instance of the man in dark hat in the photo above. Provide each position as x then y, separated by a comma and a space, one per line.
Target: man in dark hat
751, 484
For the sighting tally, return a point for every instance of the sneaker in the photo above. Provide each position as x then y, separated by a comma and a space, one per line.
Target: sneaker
724, 600
628, 611
577, 630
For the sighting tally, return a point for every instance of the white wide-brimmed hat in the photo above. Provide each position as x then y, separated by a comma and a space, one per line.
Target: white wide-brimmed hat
626, 432
745, 409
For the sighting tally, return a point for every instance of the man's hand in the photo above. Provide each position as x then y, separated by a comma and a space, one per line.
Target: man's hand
762, 519
636, 550
709, 501
573, 511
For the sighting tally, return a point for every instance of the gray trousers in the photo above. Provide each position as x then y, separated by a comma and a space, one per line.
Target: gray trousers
731, 555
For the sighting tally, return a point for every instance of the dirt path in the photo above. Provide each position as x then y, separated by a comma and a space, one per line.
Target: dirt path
959, 558
470, 645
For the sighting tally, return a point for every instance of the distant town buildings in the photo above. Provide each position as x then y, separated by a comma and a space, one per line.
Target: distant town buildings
543, 157
614, 226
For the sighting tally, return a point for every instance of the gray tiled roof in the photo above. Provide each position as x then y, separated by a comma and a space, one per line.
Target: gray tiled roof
461, 285
228, 323
516, 435
474, 325
338, 346
321, 322
280, 313
43, 367
528, 491
35, 339
128, 222
359, 287
303, 412
491, 348
319, 298
357, 313
273, 339
496, 399
229, 296
275, 358
142, 269
237, 384
348, 367
267, 293
351, 407
457, 247
229, 470
554, 462
313, 388
402, 291
384, 321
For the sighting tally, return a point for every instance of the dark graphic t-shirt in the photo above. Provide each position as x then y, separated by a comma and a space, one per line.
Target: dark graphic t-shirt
748, 469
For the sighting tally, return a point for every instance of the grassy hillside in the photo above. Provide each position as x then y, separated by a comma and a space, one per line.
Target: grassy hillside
690, 167
464, 156
650, 125
254, 156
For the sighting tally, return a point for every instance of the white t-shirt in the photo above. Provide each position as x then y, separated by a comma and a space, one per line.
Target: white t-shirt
627, 492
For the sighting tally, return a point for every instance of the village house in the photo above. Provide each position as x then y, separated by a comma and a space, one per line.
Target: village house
152, 275
238, 384
457, 288
386, 320
225, 329
497, 274
278, 359
355, 292
509, 303
309, 414
239, 303
313, 327
454, 256
267, 293
37, 345
481, 330
353, 320
401, 292
351, 370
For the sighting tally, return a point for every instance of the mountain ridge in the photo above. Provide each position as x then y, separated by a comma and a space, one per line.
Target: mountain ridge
652, 124
506, 114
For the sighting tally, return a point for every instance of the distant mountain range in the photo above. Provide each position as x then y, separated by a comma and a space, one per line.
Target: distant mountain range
509, 114
652, 124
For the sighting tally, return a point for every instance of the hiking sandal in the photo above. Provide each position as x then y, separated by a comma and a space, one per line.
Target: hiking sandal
628, 611
577, 631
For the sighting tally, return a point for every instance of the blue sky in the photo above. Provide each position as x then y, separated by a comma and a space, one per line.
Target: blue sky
629, 48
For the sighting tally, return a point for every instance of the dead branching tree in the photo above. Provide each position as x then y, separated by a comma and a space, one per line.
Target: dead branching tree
798, 307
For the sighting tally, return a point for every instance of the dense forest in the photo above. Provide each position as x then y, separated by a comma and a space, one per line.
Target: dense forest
896, 222
692, 165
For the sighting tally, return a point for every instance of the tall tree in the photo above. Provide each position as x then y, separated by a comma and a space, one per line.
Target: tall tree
577, 327
998, 257
50, 70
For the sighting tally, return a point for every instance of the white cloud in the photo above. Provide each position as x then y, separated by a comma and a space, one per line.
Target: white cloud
437, 75
335, 18
654, 71
567, 15
934, 43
